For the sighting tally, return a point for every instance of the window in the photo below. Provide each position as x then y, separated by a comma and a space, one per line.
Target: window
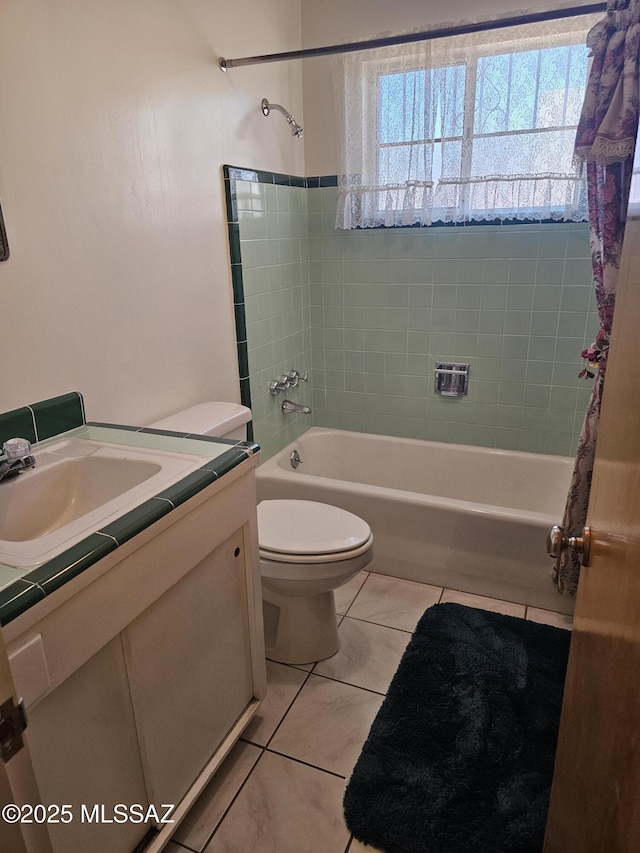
466, 131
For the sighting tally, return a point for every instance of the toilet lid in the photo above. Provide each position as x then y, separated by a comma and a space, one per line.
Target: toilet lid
309, 527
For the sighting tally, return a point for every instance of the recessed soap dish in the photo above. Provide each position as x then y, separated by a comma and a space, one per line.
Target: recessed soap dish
452, 379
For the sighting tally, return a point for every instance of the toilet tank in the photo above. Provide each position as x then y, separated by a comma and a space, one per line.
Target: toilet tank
223, 420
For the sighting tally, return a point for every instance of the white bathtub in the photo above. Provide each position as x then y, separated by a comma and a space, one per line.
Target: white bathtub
468, 518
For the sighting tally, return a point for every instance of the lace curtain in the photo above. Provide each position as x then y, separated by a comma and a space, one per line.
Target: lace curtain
476, 127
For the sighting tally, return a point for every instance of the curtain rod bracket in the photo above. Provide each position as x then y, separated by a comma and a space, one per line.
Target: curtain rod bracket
222, 62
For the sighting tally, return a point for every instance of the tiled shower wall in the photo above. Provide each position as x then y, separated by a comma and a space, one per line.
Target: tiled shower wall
516, 302
370, 312
274, 249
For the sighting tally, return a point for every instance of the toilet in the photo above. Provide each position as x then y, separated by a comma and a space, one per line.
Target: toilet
307, 550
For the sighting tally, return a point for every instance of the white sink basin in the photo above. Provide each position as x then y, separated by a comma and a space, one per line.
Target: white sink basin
76, 487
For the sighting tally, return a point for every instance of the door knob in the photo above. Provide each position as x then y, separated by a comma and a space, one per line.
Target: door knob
557, 542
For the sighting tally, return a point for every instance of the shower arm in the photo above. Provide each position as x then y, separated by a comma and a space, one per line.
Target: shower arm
267, 107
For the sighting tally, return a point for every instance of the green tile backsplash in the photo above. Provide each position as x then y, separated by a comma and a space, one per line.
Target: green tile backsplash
371, 311
44, 419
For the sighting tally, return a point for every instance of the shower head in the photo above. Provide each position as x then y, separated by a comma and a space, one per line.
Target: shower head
296, 130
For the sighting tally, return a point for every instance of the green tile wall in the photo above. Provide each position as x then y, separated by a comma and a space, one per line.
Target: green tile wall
274, 246
369, 313
515, 301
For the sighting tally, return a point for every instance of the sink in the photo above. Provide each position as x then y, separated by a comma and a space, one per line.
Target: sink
76, 487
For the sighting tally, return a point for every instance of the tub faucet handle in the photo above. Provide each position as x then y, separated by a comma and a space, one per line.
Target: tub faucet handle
281, 384
295, 377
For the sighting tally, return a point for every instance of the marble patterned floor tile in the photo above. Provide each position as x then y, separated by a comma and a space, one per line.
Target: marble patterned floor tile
327, 724
344, 595
509, 608
284, 807
548, 617
283, 682
368, 655
197, 827
393, 602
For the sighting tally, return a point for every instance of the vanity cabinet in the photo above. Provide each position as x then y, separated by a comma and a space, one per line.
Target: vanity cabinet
140, 674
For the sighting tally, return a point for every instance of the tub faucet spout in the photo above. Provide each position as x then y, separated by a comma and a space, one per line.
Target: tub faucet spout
288, 408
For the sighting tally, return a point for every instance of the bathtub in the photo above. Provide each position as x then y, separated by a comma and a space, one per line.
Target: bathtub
468, 518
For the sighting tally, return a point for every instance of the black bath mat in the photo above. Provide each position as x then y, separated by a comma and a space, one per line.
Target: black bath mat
460, 756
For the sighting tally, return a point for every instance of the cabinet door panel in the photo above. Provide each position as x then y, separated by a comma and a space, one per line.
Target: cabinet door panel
189, 664
84, 750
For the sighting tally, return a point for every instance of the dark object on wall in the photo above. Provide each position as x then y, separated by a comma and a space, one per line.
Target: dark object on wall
4, 243
460, 756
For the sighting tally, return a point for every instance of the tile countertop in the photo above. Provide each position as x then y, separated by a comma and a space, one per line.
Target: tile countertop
20, 588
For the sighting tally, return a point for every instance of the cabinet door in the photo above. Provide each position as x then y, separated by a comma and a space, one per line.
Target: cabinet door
189, 663
85, 753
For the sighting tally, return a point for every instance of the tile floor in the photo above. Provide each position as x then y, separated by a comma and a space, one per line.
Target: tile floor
280, 789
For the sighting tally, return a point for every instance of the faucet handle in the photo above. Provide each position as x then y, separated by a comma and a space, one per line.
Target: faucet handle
295, 377
16, 448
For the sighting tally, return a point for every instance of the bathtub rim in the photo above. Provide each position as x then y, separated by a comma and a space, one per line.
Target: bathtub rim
275, 467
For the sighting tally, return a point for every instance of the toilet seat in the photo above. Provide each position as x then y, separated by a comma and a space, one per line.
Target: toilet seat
299, 531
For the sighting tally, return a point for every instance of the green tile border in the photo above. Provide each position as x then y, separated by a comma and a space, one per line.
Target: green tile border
44, 419
228, 460
189, 486
37, 583
17, 598
58, 414
19, 423
136, 520
62, 568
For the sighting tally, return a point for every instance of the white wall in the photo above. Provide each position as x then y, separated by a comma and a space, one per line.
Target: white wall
334, 21
114, 124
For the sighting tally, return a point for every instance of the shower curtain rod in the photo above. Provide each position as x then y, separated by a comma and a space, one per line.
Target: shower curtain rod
407, 38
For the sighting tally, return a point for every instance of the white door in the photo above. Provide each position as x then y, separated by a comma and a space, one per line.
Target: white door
595, 797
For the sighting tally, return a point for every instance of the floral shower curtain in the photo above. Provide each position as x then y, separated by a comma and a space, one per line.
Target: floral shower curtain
605, 141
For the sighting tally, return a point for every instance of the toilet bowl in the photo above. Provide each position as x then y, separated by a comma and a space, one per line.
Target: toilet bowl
307, 550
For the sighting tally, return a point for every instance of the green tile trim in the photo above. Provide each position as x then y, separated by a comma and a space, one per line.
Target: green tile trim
226, 461
243, 359
234, 242
241, 325
9, 575
232, 174
245, 396
58, 414
238, 284
192, 436
136, 520
18, 423
17, 598
189, 485
44, 419
113, 426
70, 563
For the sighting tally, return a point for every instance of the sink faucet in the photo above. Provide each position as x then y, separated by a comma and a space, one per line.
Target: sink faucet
288, 407
17, 457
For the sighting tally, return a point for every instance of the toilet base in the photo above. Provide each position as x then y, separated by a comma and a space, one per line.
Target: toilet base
299, 629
